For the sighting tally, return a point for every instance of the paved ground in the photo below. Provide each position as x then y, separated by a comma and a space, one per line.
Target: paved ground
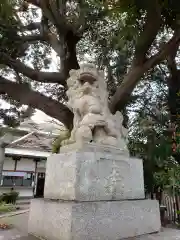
20, 223
166, 234
19, 232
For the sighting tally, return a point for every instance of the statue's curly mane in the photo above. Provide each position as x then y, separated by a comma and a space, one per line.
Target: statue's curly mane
87, 72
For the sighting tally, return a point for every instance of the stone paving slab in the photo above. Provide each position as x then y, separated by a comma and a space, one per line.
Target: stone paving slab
165, 234
11, 235
23, 202
15, 234
28, 238
19, 232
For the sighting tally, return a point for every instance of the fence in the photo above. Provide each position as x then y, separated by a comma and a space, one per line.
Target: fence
172, 204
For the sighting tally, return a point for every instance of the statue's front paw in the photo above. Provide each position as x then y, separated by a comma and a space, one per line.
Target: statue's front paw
66, 142
108, 141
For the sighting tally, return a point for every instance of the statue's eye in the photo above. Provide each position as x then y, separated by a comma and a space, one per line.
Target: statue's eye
91, 82
81, 81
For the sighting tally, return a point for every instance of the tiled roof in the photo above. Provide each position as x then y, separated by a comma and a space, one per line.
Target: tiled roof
34, 141
50, 127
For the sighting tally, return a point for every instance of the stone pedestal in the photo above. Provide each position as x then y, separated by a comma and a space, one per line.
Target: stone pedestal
93, 193
111, 220
94, 176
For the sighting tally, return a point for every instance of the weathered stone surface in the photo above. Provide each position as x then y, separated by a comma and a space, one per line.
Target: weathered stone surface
93, 176
104, 220
137, 178
88, 100
92, 147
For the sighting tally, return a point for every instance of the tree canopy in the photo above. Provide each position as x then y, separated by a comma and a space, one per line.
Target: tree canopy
135, 42
125, 38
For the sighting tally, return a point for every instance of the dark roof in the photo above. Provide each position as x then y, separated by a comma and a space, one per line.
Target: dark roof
34, 141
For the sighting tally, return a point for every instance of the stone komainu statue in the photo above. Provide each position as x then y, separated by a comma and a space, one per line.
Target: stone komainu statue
88, 100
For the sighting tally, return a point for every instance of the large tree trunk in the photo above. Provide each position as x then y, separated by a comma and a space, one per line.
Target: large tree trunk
174, 108
25, 95
174, 97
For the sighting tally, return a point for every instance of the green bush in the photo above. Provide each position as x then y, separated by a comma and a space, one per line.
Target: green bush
10, 197
7, 207
178, 212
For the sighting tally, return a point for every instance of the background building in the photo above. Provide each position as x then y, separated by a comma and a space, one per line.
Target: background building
25, 158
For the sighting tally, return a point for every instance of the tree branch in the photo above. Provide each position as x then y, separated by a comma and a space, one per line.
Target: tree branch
148, 35
49, 9
130, 81
34, 2
65, 45
164, 52
31, 26
52, 40
23, 94
47, 77
171, 62
54, 43
47, 36
32, 38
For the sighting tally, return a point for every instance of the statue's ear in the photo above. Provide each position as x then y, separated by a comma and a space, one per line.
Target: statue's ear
72, 72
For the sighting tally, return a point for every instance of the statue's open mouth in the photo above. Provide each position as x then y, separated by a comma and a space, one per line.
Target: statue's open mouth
87, 77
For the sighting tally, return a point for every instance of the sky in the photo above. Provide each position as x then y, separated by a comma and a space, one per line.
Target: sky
40, 116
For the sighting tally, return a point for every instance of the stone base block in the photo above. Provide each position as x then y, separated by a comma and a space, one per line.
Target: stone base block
90, 147
94, 174
111, 220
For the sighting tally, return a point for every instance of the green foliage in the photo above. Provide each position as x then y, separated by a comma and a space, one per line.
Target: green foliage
150, 139
9, 198
58, 141
7, 207
9, 24
7, 9
168, 177
136, 9
178, 212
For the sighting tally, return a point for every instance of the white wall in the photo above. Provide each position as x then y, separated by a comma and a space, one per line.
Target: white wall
9, 164
41, 164
25, 164
41, 170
